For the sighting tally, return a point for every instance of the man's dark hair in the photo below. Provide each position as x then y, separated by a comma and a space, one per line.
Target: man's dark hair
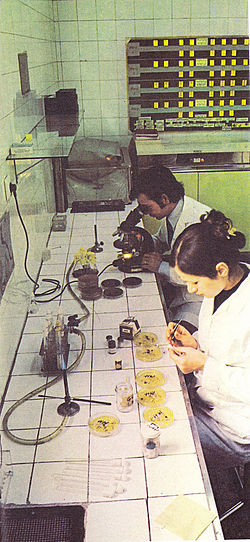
155, 181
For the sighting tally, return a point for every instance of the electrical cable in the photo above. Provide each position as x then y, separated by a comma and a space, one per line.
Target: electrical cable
47, 438
26, 237
36, 284
104, 269
52, 281
57, 295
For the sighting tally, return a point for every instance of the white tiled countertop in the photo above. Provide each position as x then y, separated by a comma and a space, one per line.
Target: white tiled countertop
75, 466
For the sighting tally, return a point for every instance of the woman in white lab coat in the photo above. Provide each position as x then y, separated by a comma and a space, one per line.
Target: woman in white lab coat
206, 256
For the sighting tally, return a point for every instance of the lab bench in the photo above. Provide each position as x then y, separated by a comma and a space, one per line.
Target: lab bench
77, 466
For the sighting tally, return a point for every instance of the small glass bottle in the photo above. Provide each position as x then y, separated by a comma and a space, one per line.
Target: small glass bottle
118, 364
124, 396
150, 440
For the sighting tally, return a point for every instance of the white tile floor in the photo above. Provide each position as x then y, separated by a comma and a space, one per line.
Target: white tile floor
76, 465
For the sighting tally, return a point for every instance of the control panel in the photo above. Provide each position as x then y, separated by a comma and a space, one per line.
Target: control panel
188, 83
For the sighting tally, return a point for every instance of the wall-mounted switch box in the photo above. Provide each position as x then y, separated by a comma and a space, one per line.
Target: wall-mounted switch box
59, 222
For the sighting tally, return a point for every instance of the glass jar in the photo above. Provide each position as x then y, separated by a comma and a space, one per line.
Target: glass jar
124, 396
150, 440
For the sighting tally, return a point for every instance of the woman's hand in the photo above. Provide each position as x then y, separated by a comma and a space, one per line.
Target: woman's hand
182, 336
151, 261
188, 359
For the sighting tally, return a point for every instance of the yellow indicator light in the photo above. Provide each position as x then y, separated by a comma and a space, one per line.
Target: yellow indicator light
211, 83
223, 73
231, 102
191, 42
180, 84
211, 93
232, 92
181, 42
233, 73
191, 53
191, 103
212, 52
180, 94
223, 52
191, 94
166, 63
127, 256
231, 113
245, 62
156, 105
211, 62
234, 41
181, 53
210, 113
222, 102
233, 61
165, 42
156, 64
212, 41
166, 84
166, 104
190, 114
180, 74
191, 62
232, 83
211, 103
191, 74
181, 63
243, 102
221, 113
211, 73
222, 92
155, 43
180, 114
246, 41
223, 63
244, 82
222, 83
156, 84
223, 41
180, 104
234, 52
191, 84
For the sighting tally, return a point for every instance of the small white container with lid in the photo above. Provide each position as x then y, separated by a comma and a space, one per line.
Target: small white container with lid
150, 433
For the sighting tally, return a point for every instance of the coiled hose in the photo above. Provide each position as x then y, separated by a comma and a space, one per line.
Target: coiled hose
47, 438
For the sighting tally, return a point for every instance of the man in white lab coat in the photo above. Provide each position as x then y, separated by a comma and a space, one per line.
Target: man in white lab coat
161, 196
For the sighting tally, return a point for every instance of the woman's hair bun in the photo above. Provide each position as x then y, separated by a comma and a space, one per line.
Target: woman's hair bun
221, 227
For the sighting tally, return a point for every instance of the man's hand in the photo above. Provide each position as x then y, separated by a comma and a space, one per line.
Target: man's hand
182, 336
151, 261
188, 359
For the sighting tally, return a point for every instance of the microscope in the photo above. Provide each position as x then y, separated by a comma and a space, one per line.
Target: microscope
133, 242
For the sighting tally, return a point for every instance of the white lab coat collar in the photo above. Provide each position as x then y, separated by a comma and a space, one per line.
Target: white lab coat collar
231, 304
184, 219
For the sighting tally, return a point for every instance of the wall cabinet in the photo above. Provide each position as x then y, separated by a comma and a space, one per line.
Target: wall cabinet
228, 191
190, 182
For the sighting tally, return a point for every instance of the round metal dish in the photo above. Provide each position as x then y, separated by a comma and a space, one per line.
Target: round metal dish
132, 282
